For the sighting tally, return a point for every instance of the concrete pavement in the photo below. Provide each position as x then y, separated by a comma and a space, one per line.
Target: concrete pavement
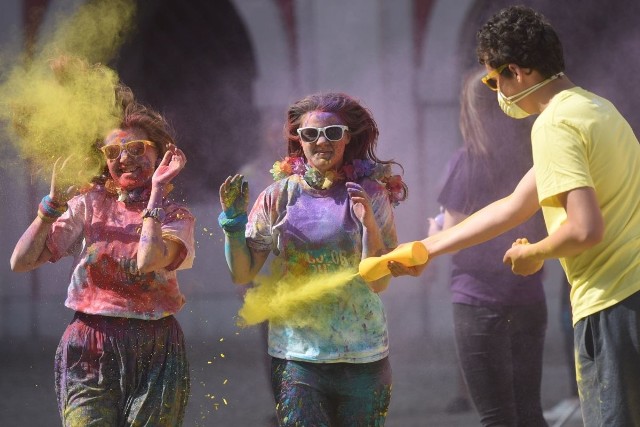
229, 384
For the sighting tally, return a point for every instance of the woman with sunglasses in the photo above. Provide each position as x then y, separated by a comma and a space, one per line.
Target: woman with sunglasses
330, 207
122, 359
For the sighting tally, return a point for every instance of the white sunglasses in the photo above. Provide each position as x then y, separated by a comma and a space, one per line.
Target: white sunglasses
332, 133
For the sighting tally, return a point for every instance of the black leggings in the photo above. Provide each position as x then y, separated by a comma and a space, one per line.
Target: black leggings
500, 353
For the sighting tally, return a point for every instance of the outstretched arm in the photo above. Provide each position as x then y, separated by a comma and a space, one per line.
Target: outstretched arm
489, 222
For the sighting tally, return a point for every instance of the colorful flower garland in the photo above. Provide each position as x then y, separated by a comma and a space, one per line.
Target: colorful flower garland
358, 168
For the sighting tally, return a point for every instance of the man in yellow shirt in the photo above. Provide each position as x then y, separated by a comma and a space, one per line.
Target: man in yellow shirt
586, 179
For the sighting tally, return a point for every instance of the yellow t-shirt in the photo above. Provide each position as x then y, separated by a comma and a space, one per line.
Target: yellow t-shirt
581, 140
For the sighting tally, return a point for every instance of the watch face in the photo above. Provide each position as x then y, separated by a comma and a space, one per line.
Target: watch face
157, 213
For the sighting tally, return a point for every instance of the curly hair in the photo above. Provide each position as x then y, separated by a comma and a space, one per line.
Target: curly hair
362, 127
520, 35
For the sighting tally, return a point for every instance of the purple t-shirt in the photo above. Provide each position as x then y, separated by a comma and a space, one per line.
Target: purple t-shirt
478, 275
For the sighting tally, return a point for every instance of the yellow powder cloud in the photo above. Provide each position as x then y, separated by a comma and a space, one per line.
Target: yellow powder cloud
60, 101
292, 299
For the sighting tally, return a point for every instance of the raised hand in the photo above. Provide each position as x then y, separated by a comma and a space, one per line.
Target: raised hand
234, 195
59, 193
170, 166
361, 204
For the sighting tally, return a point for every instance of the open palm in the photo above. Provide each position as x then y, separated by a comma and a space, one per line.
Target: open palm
172, 163
234, 195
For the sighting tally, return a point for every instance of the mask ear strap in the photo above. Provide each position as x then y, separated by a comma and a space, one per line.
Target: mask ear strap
520, 96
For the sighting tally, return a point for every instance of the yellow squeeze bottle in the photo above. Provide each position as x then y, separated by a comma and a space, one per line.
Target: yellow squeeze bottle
408, 254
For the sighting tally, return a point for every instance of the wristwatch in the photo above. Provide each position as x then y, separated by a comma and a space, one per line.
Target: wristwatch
156, 213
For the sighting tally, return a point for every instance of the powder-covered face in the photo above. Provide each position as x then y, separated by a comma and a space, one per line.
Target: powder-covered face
324, 155
127, 171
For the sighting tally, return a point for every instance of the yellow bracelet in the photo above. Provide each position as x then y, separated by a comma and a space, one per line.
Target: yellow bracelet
46, 218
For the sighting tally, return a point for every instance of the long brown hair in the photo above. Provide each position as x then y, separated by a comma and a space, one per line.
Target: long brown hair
362, 126
498, 147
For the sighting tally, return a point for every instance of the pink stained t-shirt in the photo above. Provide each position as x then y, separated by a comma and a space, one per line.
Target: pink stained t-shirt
102, 235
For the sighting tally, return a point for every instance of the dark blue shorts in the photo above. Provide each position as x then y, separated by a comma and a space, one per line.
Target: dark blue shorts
607, 345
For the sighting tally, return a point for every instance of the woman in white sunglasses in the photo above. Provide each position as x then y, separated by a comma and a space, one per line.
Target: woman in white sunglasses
122, 359
330, 207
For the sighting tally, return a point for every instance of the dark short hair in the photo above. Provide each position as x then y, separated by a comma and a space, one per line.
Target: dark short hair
519, 35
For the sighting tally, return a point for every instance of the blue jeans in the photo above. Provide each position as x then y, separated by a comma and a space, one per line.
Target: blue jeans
607, 345
331, 394
500, 353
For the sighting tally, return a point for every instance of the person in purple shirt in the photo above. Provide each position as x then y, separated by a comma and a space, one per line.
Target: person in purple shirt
330, 207
499, 318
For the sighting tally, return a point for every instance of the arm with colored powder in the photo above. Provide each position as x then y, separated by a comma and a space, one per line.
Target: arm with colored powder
372, 244
154, 252
31, 251
244, 262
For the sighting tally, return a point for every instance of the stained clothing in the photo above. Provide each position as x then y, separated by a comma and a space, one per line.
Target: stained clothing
608, 372
333, 368
316, 232
113, 371
500, 319
122, 360
102, 235
581, 140
331, 394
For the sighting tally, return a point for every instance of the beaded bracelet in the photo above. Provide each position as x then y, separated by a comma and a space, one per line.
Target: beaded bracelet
232, 225
49, 210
